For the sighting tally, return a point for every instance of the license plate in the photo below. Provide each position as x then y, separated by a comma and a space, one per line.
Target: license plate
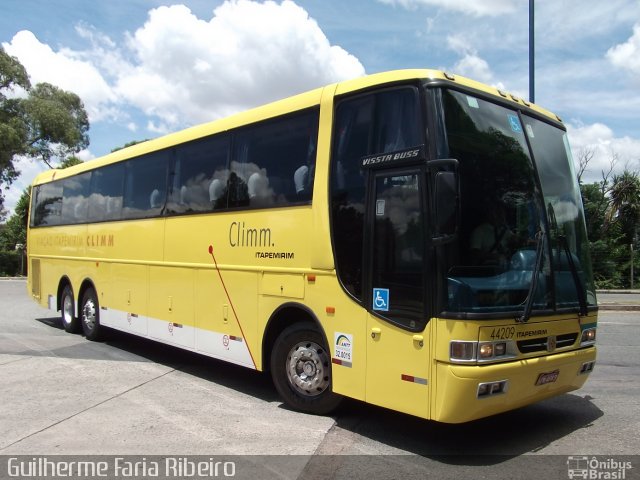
549, 377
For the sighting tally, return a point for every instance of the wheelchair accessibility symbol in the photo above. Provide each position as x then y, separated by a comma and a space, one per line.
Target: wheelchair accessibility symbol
381, 299
515, 124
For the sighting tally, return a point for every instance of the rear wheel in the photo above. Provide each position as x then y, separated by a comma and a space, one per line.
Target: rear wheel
90, 315
301, 370
67, 311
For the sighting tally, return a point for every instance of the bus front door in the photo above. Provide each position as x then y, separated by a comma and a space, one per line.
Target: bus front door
398, 344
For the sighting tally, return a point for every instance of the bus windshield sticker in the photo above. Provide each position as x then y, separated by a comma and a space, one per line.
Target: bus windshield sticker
381, 299
473, 102
380, 204
515, 124
530, 131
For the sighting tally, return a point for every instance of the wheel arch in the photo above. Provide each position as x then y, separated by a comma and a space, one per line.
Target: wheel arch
87, 284
282, 317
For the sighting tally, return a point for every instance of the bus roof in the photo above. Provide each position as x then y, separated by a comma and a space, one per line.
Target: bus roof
284, 106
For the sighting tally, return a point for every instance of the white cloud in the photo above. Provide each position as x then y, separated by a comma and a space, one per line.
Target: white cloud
180, 70
601, 140
247, 54
574, 25
65, 69
471, 64
478, 8
627, 55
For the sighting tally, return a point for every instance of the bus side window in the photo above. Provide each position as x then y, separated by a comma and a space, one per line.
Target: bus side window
145, 185
105, 201
48, 204
75, 198
199, 175
375, 123
276, 160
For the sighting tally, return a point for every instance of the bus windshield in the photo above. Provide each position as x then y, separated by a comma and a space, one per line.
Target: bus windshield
521, 244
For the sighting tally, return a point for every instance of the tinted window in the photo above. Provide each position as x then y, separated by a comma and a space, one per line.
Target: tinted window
398, 248
377, 123
145, 188
105, 201
200, 175
489, 266
75, 198
273, 163
48, 204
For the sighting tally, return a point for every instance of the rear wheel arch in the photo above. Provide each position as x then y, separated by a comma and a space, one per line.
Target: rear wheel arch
87, 283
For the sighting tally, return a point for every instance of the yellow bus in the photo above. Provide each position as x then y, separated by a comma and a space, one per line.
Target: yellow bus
411, 239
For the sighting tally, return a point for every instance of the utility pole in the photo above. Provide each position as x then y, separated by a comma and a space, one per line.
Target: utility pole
531, 54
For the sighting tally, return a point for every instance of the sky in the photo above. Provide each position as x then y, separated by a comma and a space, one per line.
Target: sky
144, 68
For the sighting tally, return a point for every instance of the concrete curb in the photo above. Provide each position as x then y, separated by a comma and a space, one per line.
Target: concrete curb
620, 308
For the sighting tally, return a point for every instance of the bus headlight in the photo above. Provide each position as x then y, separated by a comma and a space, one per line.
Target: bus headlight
466, 352
588, 337
460, 351
490, 350
486, 350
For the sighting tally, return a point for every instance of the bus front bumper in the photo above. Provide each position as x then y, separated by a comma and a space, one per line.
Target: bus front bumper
469, 392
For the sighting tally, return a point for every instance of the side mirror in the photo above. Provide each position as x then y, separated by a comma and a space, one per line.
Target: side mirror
446, 198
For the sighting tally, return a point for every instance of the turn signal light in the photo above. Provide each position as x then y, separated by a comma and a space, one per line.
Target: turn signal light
588, 337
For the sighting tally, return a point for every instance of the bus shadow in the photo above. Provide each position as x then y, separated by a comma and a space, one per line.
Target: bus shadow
123, 347
241, 379
488, 441
53, 322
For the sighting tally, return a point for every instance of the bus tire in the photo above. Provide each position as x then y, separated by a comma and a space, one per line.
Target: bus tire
70, 322
90, 315
301, 370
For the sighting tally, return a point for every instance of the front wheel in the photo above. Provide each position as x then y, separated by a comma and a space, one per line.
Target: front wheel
67, 311
90, 315
301, 370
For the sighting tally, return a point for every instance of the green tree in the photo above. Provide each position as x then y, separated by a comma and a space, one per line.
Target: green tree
624, 207
14, 232
612, 211
44, 124
129, 144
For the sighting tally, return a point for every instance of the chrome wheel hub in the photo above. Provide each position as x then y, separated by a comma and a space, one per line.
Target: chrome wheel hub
308, 368
89, 314
67, 310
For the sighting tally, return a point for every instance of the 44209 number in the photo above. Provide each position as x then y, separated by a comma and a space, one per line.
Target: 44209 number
503, 333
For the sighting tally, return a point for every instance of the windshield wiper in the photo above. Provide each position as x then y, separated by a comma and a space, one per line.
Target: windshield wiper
526, 314
582, 300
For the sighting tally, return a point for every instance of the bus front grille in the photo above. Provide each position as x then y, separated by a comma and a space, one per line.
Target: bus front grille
542, 344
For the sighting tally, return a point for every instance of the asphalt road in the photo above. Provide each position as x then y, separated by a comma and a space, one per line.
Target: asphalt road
63, 395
